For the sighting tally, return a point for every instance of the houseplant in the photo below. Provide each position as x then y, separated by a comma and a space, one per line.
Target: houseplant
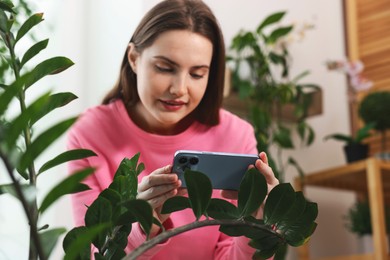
355, 149
358, 221
260, 76
288, 217
20, 145
261, 63
108, 218
375, 107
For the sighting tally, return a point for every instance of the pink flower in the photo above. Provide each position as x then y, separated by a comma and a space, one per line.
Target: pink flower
360, 83
354, 70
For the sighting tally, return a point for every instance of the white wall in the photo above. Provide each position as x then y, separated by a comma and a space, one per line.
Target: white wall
94, 35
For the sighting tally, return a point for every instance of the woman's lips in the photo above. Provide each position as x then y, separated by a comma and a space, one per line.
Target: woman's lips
172, 105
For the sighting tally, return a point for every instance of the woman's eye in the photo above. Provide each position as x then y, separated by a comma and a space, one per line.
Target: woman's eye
196, 76
164, 69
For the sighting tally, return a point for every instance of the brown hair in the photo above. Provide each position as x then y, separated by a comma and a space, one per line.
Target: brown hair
192, 15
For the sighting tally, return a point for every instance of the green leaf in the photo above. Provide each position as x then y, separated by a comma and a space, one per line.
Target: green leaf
252, 192
222, 209
3, 22
33, 51
49, 239
48, 67
283, 138
245, 90
115, 199
279, 201
29, 191
55, 101
125, 187
294, 214
67, 156
266, 247
300, 231
77, 242
7, 6
247, 230
69, 185
364, 132
143, 212
128, 170
301, 129
116, 246
276, 58
339, 137
271, 19
297, 78
28, 24
175, 204
294, 163
114, 250
240, 230
199, 191
43, 141
310, 138
278, 33
99, 212
130, 167
11, 92
134, 166
22, 122
305, 131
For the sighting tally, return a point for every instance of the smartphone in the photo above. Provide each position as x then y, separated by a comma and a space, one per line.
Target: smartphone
225, 170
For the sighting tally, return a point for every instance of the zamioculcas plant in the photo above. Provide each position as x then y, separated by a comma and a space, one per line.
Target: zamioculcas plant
288, 217
19, 144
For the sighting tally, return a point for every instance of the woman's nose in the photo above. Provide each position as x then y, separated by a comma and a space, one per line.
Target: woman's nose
179, 86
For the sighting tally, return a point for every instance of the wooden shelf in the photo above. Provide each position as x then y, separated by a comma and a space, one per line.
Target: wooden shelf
370, 177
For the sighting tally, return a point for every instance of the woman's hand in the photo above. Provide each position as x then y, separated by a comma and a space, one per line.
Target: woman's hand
261, 164
156, 188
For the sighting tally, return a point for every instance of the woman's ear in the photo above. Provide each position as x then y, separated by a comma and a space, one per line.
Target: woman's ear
132, 56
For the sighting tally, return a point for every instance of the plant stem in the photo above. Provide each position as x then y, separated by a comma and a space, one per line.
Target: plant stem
197, 224
32, 208
33, 228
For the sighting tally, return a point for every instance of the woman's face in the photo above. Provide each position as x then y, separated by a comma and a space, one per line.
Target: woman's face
172, 76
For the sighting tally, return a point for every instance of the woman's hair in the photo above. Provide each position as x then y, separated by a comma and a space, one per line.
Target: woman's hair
191, 15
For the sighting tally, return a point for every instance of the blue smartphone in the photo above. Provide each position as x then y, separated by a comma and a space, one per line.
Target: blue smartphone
225, 170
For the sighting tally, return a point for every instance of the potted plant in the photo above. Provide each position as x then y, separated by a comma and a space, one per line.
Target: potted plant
260, 63
355, 149
358, 221
275, 103
375, 107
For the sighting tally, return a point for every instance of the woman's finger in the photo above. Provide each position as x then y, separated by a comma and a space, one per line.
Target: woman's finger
263, 156
159, 190
160, 176
229, 194
159, 200
267, 172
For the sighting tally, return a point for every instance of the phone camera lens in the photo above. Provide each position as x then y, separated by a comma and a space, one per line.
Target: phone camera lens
183, 160
194, 160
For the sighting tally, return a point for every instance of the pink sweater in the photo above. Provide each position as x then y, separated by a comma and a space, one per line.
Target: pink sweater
109, 132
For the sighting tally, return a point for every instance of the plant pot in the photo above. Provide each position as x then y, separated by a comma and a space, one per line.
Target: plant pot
366, 244
355, 152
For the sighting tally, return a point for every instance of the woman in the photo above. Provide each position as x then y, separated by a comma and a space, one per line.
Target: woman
168, 97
